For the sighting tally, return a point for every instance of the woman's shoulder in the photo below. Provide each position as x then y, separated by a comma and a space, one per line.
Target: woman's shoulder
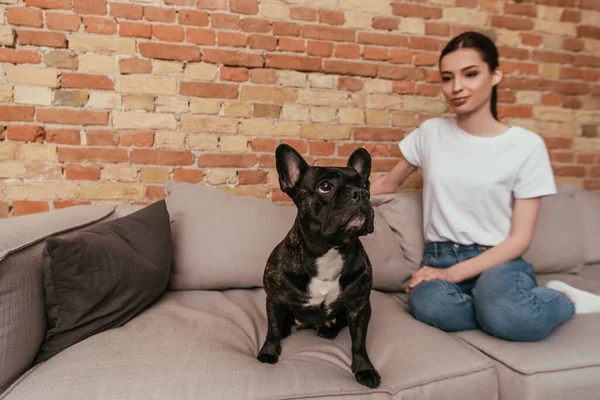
527, 137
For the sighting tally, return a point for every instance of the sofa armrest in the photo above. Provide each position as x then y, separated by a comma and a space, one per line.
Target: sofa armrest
22, 315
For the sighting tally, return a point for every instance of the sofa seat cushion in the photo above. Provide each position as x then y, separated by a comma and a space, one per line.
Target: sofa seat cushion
203, 344
566, 364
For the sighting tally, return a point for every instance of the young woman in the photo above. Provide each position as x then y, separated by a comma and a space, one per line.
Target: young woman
483, 181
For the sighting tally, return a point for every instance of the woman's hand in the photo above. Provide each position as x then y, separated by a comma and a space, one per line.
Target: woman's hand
426, 273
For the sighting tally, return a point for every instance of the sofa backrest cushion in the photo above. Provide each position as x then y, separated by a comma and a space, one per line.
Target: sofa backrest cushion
223, 241
588, 202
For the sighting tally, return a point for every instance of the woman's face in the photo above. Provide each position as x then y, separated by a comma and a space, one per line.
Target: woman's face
467, 81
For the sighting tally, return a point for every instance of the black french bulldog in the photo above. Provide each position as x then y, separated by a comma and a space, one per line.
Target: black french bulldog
319, 276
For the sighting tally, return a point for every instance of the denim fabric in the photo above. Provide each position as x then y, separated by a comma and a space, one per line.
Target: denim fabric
503, 301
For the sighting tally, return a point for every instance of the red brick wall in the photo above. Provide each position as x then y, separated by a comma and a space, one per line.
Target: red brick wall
105, 101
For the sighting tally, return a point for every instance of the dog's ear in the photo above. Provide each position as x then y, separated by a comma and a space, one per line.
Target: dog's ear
291, 167
360, 160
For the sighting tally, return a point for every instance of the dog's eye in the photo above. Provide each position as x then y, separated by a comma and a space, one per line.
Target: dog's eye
325, 187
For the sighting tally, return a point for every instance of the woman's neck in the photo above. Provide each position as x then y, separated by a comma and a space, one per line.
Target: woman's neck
480, 122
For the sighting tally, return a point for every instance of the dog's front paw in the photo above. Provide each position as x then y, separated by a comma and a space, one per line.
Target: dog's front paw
368, 377
269, 353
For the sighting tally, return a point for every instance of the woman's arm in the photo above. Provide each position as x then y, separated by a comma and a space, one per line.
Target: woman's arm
390, 182
521, 234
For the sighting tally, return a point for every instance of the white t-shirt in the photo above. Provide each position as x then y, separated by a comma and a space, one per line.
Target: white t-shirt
470, 182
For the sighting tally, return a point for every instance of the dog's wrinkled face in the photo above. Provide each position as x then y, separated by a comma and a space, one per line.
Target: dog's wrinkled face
333, 203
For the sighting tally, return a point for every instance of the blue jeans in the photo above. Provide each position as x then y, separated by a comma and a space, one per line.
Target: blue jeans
503, 301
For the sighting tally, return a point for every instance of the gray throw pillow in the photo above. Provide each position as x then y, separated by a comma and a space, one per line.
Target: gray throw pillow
100, 277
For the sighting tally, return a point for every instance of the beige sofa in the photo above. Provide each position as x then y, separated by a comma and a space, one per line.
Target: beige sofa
200, 339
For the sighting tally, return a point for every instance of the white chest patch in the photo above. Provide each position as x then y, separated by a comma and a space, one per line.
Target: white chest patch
325, 287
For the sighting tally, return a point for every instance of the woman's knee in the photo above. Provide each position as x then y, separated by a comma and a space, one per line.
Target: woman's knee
434, 303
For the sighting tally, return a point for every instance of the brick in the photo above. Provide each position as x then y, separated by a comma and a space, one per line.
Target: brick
252, 177
244, 6
255, 25
201, 36
146, 84
350, 68
168, 33
202, 142
19, 56
303, 13
274, 10
167, 68
331, 17
191, 17
161, 157
25, 207
26, 133
154, 174
572, 44
201, 72
89, 43
326, 98
289, 44
16, 113
58, 204
328, 33
39, 191
208, 125
137, 139
204, 106
378, 134
221, 177
62, 21
322, 81
188, 175
225, 21
71, 98
399, 73
377, 118
351, 116
6, 95
416, 10
102, 64
101, 138
227, 160
530, 39
323, 114
33, 95
119, 173
513, 23
385, 23
529, 10
400, 56
63, 136
36, 151
79, 172
236, 109
49, 4
134, 29
349, 84
325, 132
585, 158
347, 51
4, 209
414, 26
375, 53
172, 104
262, 93
430, 59
570, 16
555, 28
298, 63
232, 58
126, 11
321, 149
36, 38
263, 110
32, 76
295, 113
286, 29
234, 74
231, 39
292, 78
263, 145
322, 49
169, 140
136, 120
103, 26
157, 14
264, 42
404, 87
97, 7
233, 144
72, 117
263, 76
212, 90
212, 4
423, 104
7, 35
170, 51
436, 29
383, 39
24, 16
86, 81
591, 32
264, 127
110, 191
73, 154
135, 66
